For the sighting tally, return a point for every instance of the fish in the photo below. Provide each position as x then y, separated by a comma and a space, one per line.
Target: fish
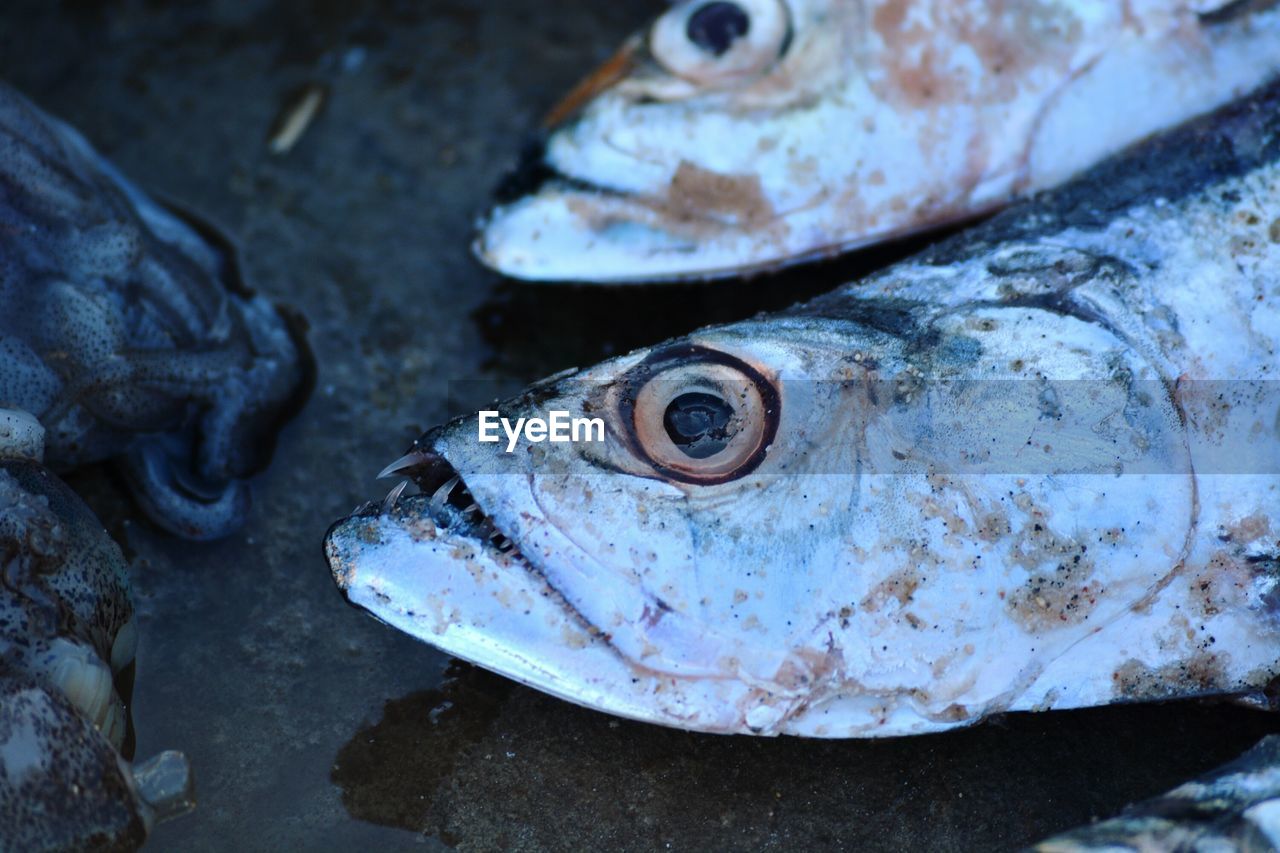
1034, 467
1235, 807
732, 137
130, 334
68, 644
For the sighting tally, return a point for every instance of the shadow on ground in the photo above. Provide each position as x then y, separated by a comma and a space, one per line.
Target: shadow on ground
485, 764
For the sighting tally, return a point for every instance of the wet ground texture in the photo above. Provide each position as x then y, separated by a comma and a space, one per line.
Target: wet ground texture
310, 725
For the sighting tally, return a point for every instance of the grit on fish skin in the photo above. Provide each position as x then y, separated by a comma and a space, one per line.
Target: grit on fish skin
994, 477
830, 124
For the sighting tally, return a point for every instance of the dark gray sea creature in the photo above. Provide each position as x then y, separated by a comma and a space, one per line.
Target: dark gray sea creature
67, 645
127, 332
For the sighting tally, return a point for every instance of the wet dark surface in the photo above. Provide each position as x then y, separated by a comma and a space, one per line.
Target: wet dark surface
308, 724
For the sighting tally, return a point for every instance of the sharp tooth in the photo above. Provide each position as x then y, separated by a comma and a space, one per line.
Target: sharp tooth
412, 459
442, 494
472, 508
389, 502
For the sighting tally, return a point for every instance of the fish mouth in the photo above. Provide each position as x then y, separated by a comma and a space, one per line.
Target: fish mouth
551, 226
438, 567
575, 231
450, 504
435, 565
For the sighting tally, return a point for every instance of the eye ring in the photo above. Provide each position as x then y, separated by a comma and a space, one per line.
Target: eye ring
698, 415
717, 43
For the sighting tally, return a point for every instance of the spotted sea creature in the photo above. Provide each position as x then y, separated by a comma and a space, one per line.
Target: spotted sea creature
128, 332
744, 135
1035, 467
68, 640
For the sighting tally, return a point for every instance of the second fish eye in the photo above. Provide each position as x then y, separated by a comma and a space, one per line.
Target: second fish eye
718, 43
715, 26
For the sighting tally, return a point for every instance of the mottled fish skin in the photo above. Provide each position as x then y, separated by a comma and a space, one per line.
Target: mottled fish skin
1035, 467
67, 646
1236, 807
831, 124
127, 332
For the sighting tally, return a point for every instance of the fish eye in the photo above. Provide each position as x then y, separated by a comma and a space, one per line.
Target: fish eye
698, 424
697, 415
718, 43
715, 26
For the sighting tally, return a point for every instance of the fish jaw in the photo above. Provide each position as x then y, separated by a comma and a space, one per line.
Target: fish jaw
571, 234
460, 593
465, 597
640, 207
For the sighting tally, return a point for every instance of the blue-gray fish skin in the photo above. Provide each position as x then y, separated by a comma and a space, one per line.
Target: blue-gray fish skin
1036, 467
67, 645
1236, 807
127, 331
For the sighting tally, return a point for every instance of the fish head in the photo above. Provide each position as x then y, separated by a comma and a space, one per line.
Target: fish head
741, 135
687, 153
795, 525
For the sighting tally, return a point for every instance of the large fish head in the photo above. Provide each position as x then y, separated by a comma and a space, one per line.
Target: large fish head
688, 152
797, 524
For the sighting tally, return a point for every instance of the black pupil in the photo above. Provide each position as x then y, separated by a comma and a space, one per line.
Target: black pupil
715, 26
698, 424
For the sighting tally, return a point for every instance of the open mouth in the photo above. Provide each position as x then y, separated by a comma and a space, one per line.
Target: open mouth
450, 504
442, 497
436, 565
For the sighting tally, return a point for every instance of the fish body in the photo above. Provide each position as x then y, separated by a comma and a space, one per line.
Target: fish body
825, 125
127, 332
68, 641
1035, 467
1235, 807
